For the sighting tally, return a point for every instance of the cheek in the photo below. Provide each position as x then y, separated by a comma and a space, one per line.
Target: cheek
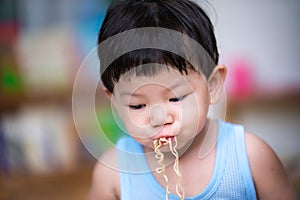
139, 119
136, 123
194, 114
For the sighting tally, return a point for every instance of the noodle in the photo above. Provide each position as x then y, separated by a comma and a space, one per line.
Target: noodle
161, 169
176, 168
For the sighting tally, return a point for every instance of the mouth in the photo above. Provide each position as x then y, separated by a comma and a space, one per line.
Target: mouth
165, 140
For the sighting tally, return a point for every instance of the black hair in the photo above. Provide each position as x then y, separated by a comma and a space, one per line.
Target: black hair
183, 16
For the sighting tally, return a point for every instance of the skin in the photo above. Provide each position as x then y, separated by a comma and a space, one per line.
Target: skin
166, 111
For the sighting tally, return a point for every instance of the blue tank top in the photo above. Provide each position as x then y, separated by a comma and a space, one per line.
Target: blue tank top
231, 179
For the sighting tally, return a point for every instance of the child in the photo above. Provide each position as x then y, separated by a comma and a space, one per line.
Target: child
162, 92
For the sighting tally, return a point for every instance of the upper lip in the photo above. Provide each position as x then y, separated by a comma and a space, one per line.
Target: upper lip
165, 132
160, 135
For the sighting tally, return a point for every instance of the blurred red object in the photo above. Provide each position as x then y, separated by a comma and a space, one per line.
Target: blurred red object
241, 79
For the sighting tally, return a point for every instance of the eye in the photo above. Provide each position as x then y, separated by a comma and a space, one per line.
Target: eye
137, 107
177, 99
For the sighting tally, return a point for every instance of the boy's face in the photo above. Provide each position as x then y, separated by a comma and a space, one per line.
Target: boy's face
167, 104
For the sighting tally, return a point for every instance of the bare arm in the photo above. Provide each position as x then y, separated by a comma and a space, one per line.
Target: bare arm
105, 181
270, 179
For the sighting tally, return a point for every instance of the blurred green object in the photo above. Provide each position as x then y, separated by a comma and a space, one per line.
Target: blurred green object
110, 125
10, 80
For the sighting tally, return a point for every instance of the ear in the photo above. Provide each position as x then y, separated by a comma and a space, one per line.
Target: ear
216, 82
107, 93
111, 97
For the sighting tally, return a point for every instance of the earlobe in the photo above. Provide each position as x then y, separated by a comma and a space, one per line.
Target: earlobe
216, 82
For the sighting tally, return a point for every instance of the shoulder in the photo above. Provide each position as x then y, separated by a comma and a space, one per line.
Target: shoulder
270, 178
105, 179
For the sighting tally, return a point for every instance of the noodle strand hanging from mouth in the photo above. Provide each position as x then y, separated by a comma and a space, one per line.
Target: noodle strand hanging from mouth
176, 168
161, 169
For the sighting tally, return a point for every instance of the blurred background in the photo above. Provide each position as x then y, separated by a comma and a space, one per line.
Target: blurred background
43, 43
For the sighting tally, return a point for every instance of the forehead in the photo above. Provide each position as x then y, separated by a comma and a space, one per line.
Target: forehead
167, 77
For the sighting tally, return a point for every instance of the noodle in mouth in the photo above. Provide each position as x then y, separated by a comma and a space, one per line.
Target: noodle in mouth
161, 167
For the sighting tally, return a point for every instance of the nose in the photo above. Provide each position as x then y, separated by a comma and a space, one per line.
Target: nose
159, 115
